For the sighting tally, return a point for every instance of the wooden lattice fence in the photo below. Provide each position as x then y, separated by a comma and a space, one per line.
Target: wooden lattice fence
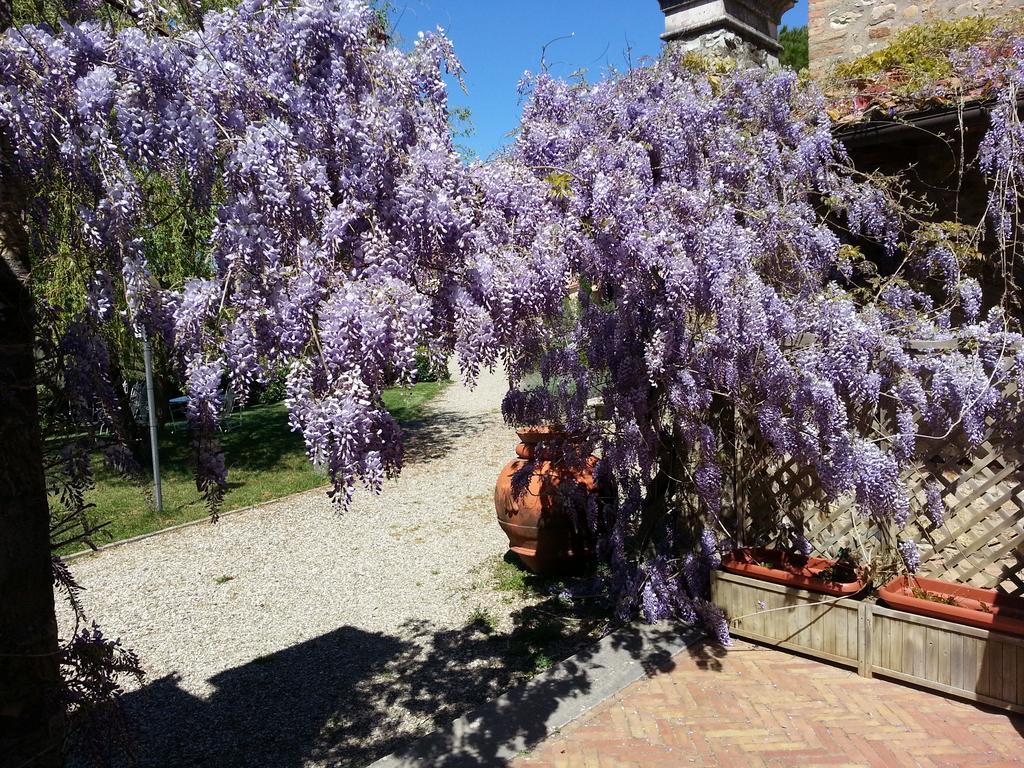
981, 541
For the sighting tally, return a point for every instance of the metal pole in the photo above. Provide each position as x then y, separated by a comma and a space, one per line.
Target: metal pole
154, 443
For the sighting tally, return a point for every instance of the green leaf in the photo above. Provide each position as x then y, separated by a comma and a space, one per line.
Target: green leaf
560, 184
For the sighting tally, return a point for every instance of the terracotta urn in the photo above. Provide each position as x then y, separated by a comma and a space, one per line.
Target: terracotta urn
815, 574
537, 501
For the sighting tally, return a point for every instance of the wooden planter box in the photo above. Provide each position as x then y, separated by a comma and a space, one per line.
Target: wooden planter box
975, 664
811, 622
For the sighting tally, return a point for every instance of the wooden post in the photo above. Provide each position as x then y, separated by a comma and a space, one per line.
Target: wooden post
864, 665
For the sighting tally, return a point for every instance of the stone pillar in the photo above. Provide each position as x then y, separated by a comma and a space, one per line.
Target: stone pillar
746, 30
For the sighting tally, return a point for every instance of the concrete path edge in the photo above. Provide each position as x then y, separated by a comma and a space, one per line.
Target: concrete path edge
514, 722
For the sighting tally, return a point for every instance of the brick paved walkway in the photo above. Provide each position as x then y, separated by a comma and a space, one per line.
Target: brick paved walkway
752, 707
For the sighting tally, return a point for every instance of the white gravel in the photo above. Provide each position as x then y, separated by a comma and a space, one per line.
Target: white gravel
336, 637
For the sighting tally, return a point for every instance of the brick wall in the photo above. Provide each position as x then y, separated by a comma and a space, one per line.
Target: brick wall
846, 29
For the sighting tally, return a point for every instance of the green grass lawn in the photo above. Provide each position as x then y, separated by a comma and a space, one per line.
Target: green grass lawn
265, 461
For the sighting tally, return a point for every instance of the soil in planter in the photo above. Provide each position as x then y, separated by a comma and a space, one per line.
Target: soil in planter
935, 597
814, 574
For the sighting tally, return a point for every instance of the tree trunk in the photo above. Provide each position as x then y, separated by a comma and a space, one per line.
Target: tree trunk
31, 707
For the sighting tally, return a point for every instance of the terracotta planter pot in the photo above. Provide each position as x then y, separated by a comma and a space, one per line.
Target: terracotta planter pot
982, 608
784, 568
529, 500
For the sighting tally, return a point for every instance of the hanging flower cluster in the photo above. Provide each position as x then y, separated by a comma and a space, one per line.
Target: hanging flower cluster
346, 233
665, 241
702, 211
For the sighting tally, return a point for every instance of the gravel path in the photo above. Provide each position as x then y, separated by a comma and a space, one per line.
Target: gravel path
291, 635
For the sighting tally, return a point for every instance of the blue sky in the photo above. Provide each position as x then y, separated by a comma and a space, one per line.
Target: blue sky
497, 41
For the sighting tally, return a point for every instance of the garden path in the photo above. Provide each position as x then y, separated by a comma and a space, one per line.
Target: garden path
292, 635
753, 707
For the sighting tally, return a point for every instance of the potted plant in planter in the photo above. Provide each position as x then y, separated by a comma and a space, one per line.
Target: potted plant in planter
840, 577
961, 603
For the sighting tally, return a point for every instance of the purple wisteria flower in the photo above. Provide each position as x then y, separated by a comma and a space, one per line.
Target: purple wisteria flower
706, 279
910, 554
668, 243
935, 507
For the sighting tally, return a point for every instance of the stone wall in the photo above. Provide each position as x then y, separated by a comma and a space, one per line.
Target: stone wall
846, 29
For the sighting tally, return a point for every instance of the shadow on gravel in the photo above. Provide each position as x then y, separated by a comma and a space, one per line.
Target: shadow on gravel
351, 696
432, 435
503, 728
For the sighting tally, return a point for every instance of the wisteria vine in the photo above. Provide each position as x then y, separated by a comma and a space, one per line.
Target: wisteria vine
347, 233
685, 244
339, 232
719, 236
